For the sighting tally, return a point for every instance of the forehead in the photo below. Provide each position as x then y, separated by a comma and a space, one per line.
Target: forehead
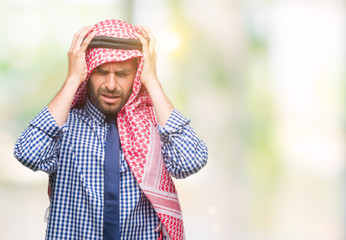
128, 64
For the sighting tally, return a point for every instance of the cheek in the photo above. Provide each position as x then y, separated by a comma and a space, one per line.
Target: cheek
92, 90
95, 84
129, 85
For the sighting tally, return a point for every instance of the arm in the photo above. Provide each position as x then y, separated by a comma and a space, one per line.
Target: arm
39, 145
162, 106
60, 106
183, 152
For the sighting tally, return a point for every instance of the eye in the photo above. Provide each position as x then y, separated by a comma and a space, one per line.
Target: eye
100, 72
122, 75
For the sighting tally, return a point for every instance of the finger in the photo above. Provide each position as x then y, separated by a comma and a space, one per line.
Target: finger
152, 38
87, 40
142, 30
144, 42
147, 33
77, 39
82, 35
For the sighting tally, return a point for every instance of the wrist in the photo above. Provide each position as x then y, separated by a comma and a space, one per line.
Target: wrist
152, 84
72, 82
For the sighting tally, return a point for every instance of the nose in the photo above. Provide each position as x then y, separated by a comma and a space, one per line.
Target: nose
111, 81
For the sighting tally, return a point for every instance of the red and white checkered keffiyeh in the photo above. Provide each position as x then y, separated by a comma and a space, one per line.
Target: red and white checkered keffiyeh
137, 130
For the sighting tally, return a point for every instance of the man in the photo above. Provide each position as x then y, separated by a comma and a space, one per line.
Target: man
110, 139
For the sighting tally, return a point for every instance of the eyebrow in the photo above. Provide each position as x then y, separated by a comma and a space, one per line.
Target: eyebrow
121, 71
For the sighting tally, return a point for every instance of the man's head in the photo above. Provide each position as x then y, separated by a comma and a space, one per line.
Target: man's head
100, 56
110, 85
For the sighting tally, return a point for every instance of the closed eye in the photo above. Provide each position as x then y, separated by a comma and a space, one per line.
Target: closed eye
100, 71
122, 74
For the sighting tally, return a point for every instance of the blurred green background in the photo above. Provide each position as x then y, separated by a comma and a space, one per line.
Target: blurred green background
263, 82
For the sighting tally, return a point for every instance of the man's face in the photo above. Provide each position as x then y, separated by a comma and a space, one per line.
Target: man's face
110, 85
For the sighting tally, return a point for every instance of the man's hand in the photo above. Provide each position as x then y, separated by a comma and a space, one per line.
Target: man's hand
163, 107
60, 106
148, 41
77, 68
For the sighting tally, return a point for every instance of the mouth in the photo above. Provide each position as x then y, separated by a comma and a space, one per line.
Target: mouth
110, 99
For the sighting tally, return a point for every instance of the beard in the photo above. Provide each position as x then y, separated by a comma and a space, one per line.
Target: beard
110, 110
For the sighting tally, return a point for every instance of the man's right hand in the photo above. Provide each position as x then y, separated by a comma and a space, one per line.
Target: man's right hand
60, 106
77, 68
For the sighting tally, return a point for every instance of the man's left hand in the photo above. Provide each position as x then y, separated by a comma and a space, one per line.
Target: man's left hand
148, 75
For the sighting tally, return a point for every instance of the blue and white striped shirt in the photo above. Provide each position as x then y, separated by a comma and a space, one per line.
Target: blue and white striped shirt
73, 156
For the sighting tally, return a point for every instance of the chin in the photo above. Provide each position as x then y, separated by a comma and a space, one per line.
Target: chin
109, 110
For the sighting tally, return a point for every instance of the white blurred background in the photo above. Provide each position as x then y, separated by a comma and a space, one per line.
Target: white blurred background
262, 81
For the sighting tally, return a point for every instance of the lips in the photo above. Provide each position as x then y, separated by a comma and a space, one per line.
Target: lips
110, 98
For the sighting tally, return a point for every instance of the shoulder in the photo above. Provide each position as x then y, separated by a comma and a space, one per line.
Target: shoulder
76, 115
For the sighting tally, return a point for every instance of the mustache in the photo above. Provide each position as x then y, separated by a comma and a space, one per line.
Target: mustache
105, 90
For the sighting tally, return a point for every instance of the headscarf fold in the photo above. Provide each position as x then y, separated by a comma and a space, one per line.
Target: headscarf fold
137, 130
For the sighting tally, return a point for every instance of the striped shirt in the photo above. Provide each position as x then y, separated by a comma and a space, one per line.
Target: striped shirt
73, 156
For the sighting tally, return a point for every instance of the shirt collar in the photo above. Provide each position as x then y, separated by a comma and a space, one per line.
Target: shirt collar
94, 113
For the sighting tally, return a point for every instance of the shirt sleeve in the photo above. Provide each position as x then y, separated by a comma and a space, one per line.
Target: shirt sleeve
39, 145
183, 152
